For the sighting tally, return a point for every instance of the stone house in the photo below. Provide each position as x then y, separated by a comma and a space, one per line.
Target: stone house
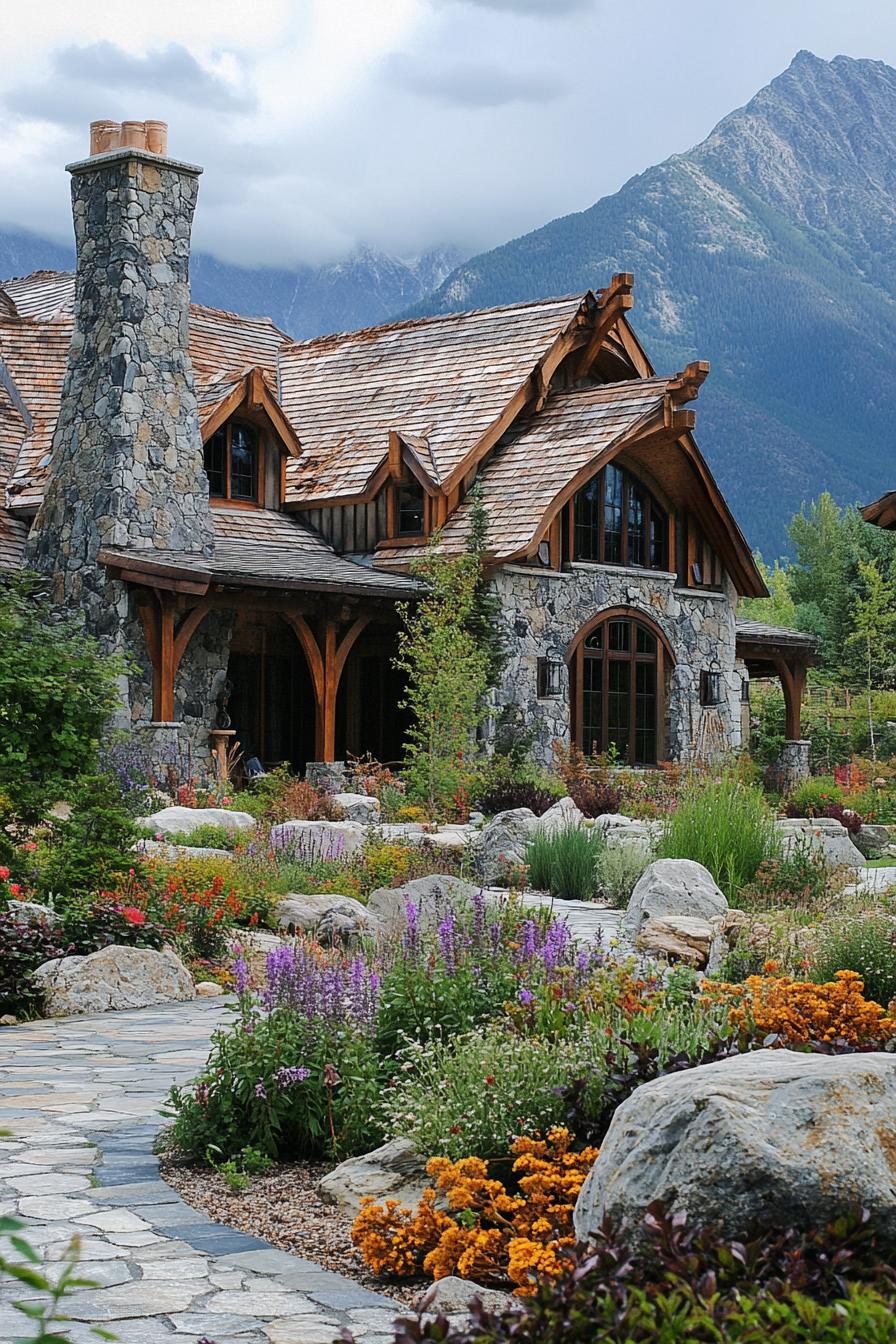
238, 511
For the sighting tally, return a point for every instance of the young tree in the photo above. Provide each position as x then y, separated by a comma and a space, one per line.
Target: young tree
874, 632
484, 622
447, 673
56, 692
779, 607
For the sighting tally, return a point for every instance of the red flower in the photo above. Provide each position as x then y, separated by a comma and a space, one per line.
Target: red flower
4, 874
132, 914
14, 889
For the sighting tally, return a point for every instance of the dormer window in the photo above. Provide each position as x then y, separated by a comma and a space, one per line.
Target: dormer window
410, 509
232, 463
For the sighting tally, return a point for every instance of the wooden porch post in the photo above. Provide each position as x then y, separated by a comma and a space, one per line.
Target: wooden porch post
793, 683
331, 686
156, 610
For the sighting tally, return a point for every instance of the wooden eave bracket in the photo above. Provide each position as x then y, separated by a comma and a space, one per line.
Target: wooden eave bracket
615, 300
686, 385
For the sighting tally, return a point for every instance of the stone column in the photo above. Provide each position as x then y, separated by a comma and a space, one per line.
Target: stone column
792, 766
127, 459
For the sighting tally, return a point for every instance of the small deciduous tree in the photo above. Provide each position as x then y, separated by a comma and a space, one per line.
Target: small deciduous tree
56, 691
874, 628
447, 672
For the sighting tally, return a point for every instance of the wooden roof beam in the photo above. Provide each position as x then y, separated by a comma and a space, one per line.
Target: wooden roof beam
616, 299
686, 385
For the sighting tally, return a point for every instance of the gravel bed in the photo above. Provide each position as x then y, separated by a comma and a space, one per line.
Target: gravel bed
283, 1207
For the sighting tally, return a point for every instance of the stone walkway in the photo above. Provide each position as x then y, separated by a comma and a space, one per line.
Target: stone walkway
80, 1099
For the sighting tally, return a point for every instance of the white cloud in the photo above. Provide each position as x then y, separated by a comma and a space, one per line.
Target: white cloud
399, 123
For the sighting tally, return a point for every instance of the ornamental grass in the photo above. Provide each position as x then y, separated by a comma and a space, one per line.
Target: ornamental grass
481, 1228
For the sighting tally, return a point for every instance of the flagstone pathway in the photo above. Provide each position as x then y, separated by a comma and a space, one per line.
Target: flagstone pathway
80, 1098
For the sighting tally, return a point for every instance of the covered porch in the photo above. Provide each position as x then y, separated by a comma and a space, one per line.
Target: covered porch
296, 646
773, 651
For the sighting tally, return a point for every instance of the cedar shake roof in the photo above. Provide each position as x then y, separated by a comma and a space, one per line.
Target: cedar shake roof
13, 531
535, 460
757, 632
441, 389
34, 348
442, 379
264, 549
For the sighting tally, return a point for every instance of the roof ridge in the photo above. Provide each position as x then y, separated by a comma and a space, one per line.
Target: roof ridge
30, 275
408, 322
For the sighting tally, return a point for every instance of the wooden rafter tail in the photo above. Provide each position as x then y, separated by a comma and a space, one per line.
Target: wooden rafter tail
686, 385
616, 300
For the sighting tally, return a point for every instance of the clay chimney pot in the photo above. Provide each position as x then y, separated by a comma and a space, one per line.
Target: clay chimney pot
104, 135
133, 135
157, 137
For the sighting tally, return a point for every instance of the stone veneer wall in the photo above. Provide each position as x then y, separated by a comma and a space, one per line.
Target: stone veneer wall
127, 468
543, 611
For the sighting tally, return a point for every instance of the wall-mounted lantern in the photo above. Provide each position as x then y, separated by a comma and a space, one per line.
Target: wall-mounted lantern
550, 680
745, 690
711, 688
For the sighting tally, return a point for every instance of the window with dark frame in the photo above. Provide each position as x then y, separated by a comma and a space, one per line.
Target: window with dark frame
232, 463
409, 508
616, 521
620, 692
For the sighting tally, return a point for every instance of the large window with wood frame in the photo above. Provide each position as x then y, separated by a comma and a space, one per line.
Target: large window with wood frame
233, 463
619, 690
616, 521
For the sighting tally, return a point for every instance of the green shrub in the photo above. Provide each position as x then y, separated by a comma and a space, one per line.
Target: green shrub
206, 836
564, 862
619, 868
811, 796
800, 880
865, 944
25, 945
725, 825
91, 850
56, 692
666, 1282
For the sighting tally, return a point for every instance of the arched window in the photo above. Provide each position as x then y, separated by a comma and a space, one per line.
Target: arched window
232, 463
617, 522
618, 673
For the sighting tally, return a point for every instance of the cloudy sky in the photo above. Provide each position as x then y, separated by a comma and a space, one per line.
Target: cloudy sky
400, 124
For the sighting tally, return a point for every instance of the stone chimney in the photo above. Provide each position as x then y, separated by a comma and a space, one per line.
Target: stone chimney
127, 461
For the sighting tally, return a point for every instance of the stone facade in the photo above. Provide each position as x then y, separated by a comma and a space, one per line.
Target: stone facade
127, 467
543, 611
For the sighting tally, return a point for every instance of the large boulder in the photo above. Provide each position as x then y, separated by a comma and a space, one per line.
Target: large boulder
432, 897
32, 912
561, 816
360, 807
184, 820
113, 978
331, 918
764, 1140
824, 835
680, 938
502, 844
621, 830
394, 1171
316, 840
673, 887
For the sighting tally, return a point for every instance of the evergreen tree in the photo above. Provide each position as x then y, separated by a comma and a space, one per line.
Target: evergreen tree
484, 621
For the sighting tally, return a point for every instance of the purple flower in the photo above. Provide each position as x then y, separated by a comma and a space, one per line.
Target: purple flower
290, 1076
526, 997
447, 930
241, 974
411, 936
260, 1090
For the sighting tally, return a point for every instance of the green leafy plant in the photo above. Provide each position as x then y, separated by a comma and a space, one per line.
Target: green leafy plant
864, 943
800, 880
727, 826
618, 869
564, 862
56, 692
90, 851
43, 1312
206, 836
447, 675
